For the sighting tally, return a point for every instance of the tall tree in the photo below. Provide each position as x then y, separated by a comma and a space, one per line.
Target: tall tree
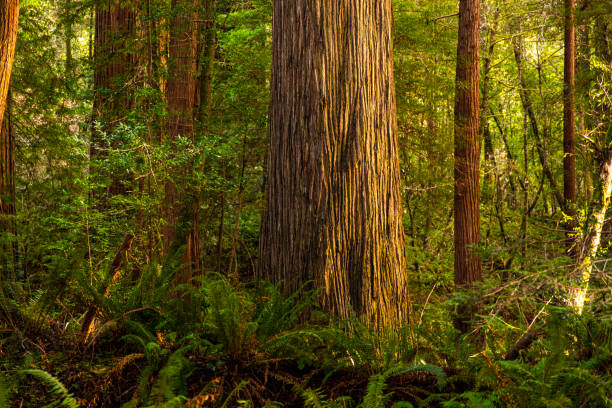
485, 131
9, 18
468, 268
569, 133
115, 63
333, 189
180, 211
7, 186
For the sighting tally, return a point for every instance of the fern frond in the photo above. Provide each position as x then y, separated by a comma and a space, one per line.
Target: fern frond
65, 398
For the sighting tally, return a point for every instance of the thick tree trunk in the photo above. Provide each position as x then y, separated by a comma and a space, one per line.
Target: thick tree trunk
334, 204
7, 166
467, 149
569, 133
180, 211
114, 67
9, 18
7, 191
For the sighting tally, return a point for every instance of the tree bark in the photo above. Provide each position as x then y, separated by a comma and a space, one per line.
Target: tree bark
334, 205
468, 268
114, 67
7, 191
569, 133
180, 210
9, 18
593, 239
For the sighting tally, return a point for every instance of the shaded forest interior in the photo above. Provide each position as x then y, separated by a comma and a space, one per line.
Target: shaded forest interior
318, 203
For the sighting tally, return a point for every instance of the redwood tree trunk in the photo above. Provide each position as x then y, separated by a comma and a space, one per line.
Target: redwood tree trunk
7, 192
179, 212
569, 134
467, 147
9, 18
114, 67
334, 205
7, 168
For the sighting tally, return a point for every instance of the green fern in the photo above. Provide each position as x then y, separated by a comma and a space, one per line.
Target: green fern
375, 396
171, 382
65, 399
316, 398
235, 391
5, 391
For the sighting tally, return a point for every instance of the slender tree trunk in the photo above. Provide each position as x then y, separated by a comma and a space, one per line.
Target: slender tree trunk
334, 203
525, 214
485, 131
569, 132
68, 34
468, 268
527, 105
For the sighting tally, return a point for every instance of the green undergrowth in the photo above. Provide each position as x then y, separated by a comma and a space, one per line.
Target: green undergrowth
219, 342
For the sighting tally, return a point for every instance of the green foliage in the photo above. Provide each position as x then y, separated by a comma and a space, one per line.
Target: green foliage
317, 399
246, 343
64, 398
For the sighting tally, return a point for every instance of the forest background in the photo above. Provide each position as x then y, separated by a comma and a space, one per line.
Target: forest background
133, 176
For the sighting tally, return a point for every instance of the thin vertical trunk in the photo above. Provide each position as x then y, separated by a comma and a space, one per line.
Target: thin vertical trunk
528, 107
485, 131
334, 203
525, 214
468, 267
569, 133
68, 36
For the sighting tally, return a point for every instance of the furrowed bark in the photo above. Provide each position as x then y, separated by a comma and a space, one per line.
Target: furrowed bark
9, 18
115, 27
468, 268
180, 207
333, 187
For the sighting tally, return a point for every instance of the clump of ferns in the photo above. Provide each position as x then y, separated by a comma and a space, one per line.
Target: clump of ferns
264, 323
375, 395
163, 381
551, 373
61, 396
